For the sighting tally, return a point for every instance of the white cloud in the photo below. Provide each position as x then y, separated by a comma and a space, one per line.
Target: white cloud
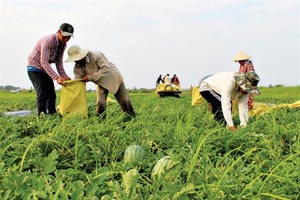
150, 37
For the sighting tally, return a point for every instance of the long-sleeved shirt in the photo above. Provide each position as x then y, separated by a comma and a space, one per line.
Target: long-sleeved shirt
101, 71
48, 50
159, 79
246, 67
224, 84
167, 80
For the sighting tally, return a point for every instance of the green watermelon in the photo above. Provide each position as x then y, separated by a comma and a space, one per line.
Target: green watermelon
133, 153
164, 164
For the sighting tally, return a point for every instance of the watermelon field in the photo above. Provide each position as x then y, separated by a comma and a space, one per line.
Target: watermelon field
171, 150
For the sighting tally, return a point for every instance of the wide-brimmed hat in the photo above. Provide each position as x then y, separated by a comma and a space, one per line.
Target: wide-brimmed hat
248, 82
76, 53
66, 29
241, 56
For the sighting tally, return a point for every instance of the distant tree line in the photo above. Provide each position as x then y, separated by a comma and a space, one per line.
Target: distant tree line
9, 87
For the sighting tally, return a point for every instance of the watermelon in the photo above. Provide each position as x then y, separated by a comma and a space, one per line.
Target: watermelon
133, 153
164, 164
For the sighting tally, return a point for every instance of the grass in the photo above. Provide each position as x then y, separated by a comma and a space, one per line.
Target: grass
49, 157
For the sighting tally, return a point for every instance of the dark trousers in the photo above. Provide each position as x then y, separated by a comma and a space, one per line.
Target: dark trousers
122, 98
45, 92
215, 101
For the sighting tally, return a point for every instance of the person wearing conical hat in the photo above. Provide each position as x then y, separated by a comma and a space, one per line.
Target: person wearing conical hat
246, 65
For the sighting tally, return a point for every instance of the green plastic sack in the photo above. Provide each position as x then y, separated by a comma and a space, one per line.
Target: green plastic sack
73, 100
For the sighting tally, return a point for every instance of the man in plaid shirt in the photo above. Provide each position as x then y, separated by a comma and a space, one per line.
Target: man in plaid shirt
48, 50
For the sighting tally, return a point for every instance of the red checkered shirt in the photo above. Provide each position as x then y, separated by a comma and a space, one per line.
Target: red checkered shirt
44, 54
246, 67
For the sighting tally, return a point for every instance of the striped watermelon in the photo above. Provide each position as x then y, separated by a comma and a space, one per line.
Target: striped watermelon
133, 153
164, 164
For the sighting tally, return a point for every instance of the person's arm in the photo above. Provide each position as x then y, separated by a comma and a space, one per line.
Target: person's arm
79, 72
60, 67
103, 67
45, 57
226, 90
249, 66
226, 108
243, 110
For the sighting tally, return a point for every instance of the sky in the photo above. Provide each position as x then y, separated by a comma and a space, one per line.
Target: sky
145, 38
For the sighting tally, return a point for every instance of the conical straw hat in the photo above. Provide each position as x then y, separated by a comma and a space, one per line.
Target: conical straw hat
241, 56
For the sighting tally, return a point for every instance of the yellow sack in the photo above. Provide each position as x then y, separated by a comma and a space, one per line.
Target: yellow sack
110, 100
263, 108
73, 99
161, 87
196, 96
235, 106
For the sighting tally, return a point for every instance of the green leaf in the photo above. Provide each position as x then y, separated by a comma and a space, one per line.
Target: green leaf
2, 168
78, 187
49, 163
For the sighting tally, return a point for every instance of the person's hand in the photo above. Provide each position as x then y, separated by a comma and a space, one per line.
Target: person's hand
232, 128
243, 126
60, 80
85, 79
66, 78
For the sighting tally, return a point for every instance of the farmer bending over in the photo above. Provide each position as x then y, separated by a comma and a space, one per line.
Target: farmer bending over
94, 66
219, 89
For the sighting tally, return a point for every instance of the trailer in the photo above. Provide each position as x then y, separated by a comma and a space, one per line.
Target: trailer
161, 91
